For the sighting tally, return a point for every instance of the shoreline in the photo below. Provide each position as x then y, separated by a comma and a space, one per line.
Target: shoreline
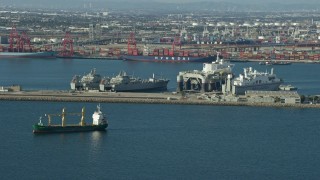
308, 61
132, 98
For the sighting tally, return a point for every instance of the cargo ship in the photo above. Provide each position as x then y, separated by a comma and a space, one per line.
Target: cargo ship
99, 123
45, 54
170, 59
268, 63
164, 54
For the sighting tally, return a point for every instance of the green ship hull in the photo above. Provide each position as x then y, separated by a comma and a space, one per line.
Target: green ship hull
69, 128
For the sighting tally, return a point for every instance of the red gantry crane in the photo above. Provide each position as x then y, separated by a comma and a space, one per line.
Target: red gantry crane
67, 44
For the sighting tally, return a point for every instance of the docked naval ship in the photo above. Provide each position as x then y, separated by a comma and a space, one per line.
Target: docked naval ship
125, 83
88, 81
254, 80
209, 79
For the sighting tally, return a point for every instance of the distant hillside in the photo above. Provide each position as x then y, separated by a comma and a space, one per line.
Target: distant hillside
163, 6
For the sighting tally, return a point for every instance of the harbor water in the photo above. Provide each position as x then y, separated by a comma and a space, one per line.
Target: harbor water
145, 141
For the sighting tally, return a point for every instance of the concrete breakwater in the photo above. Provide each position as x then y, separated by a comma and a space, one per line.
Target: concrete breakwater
138, 98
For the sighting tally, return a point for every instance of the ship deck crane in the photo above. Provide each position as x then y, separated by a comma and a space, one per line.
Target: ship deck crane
63, 117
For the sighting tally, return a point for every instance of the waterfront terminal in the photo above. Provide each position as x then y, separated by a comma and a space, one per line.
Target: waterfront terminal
266, 99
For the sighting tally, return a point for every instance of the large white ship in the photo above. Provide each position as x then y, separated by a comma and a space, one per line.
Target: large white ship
209, 79
253, 80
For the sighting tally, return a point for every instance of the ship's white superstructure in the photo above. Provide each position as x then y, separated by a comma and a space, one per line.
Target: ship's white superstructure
254, 80
89, 81
98, 117
217, 66
209, 79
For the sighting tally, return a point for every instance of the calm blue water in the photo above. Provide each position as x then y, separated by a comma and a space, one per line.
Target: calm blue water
157, 141
57, 73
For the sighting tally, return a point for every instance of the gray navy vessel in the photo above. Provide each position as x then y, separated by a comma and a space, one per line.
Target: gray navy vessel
125, 83
120, 83
89, 81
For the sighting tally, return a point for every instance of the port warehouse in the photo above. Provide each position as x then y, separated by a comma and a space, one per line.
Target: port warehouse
284, 97
13, 88
294, 55
248, 51
242, 51
216, 34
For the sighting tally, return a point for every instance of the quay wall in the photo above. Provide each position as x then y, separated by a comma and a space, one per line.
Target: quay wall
137, 98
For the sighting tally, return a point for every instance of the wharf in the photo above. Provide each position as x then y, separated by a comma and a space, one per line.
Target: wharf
261, 60
91, 57
137, 98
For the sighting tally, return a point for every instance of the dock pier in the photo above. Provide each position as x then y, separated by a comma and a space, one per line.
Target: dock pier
132, 98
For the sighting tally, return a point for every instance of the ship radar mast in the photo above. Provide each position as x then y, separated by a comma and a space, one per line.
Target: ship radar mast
82, 122
40, 123
98, 108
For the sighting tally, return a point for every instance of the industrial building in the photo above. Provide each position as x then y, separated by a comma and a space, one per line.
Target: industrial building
287, 97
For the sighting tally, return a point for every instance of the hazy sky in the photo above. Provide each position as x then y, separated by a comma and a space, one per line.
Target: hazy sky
241, 1
176, 1
70, 3
182, 1
234, 1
